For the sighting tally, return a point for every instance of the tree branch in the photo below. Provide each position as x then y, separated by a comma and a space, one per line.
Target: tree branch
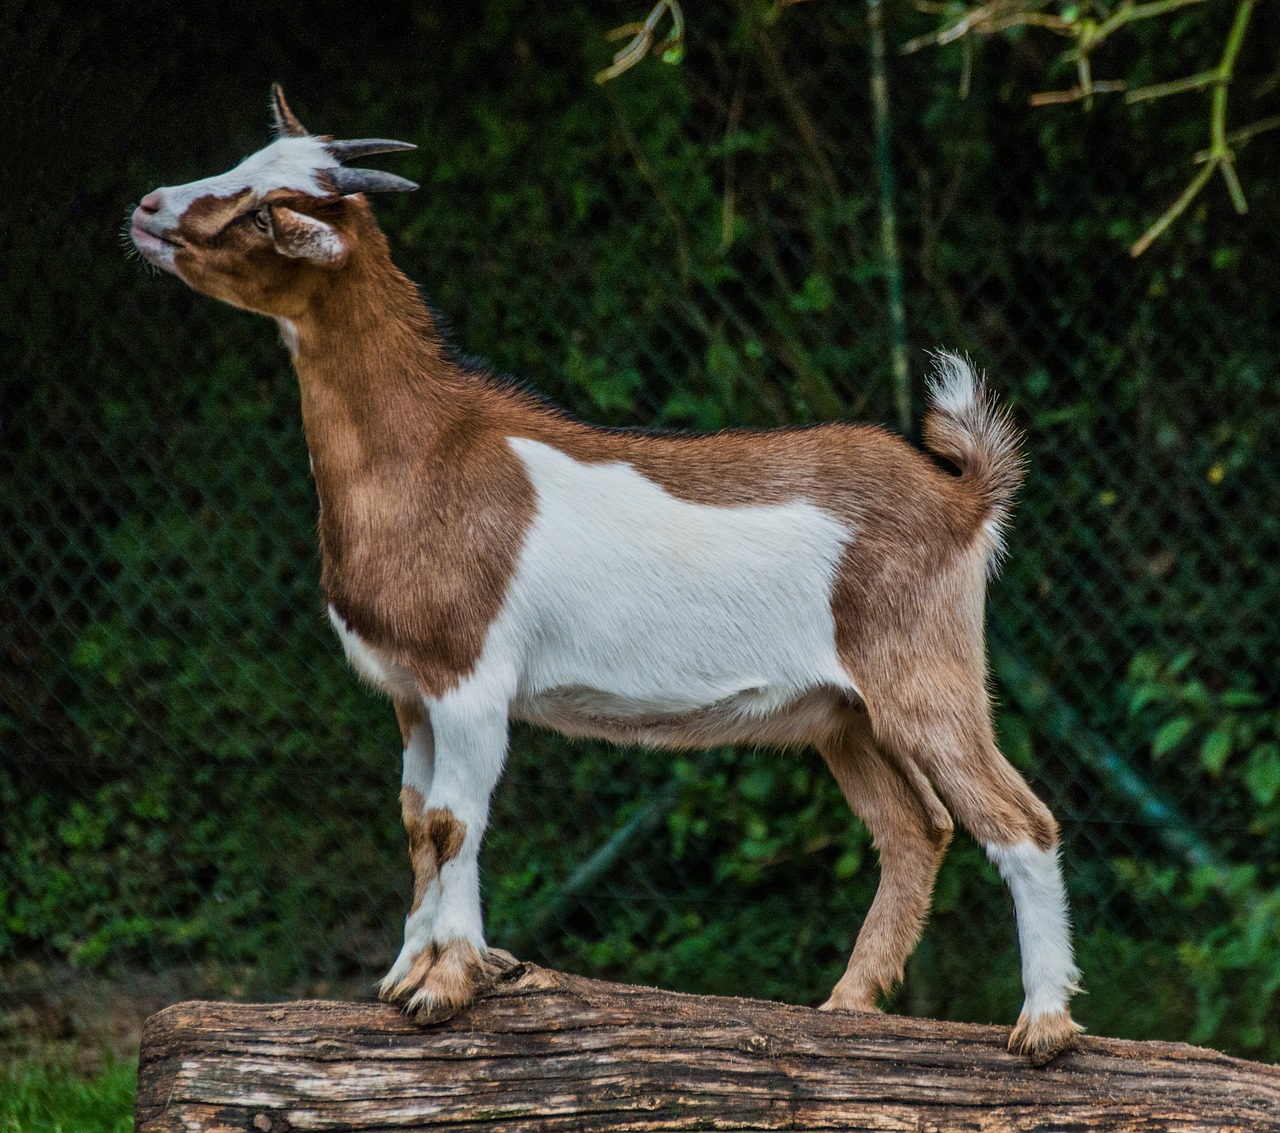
1088, 33
1220, 156
642, 40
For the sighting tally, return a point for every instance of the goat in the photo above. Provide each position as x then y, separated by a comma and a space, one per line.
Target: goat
485, 557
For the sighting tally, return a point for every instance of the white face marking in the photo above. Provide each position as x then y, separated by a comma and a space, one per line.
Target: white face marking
287, 163
630, 602
153, 248
1034, 877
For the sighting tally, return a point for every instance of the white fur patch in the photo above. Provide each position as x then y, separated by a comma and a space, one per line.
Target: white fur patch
287, 163
151, 247
303, 237
419, 759
634, 610
289, 336
383, 674
1034, 877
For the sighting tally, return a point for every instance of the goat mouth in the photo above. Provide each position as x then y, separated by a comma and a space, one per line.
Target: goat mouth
141, 235
157, 250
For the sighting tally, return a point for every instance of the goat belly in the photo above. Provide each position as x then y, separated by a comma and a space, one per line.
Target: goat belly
754, 716
638, 615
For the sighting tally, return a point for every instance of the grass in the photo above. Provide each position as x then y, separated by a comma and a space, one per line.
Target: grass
36, 1097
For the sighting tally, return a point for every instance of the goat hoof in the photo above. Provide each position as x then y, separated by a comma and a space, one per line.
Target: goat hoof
855, 1006
440, 983
1043, 1038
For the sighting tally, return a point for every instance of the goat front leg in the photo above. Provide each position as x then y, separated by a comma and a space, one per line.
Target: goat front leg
454, 755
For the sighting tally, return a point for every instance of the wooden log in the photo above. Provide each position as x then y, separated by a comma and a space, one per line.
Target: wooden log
548, 1051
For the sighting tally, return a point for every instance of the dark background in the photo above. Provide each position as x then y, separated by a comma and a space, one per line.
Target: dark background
190, 780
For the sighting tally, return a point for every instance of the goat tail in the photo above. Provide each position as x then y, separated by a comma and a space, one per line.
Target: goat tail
966, 426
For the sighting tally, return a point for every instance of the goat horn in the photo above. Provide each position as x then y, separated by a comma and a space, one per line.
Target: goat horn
362, 147
286, 122
368, 181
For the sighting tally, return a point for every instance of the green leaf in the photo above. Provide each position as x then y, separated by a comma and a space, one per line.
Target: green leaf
1146, 694
88, 655
1170, 736
1241, 698
1262, 776
1215, 750
1144, 667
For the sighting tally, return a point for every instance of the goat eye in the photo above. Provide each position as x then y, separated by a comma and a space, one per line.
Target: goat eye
262, 220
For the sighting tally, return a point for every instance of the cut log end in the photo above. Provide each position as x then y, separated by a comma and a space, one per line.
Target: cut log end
546, 1050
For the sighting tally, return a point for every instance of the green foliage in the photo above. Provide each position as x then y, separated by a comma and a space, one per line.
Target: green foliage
1236, 728
189, 774
38, 1098
1226, 742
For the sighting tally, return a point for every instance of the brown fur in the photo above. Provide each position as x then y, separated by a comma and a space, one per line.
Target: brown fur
206, 217
223, 254
911, 829
409, 714
393, 503
435, 838
421, 525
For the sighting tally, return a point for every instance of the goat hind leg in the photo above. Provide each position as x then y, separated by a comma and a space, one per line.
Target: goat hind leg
951, 739
910, 829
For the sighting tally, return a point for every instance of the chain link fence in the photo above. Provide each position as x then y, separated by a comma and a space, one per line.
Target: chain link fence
192, 780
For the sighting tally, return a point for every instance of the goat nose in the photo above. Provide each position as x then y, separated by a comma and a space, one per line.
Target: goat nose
152, 202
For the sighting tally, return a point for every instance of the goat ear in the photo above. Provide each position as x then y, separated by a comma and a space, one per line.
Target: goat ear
302, 237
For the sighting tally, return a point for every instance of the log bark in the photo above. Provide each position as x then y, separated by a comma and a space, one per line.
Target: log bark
541, 1050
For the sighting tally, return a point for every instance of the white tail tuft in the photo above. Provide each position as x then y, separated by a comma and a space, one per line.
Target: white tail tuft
953, 387
965, 426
